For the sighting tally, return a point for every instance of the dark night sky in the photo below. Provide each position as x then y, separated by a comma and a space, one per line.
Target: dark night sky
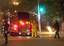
3, 2
6, 3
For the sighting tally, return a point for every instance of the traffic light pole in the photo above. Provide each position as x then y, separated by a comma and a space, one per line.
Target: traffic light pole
39, 24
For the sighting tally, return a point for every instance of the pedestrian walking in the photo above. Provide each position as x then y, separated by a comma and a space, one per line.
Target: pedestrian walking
6, 26
57, 27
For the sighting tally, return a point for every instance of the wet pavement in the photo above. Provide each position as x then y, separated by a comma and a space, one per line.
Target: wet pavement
28, 41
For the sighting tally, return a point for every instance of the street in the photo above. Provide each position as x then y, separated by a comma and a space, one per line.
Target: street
28, 41
42, 20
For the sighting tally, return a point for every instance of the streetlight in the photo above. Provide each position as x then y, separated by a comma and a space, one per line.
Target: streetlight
15, 3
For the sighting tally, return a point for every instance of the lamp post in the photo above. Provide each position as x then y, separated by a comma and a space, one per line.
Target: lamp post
15, 4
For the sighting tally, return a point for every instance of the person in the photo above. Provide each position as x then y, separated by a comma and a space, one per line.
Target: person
34, 29
6, 29
57, 27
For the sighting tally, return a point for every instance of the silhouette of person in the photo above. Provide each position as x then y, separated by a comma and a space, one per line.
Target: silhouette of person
34, 29
6, 29
56, 26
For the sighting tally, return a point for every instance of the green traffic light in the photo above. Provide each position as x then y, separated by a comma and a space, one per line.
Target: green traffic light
42, 9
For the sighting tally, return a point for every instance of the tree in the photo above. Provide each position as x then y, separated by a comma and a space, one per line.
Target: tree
54, 9
24, 4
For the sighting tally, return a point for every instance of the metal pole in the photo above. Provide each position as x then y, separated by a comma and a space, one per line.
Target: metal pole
39, 24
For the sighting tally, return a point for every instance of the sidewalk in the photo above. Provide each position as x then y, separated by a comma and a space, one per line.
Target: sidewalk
50, 34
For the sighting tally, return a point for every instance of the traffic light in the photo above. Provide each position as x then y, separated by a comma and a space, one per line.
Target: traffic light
42, 8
